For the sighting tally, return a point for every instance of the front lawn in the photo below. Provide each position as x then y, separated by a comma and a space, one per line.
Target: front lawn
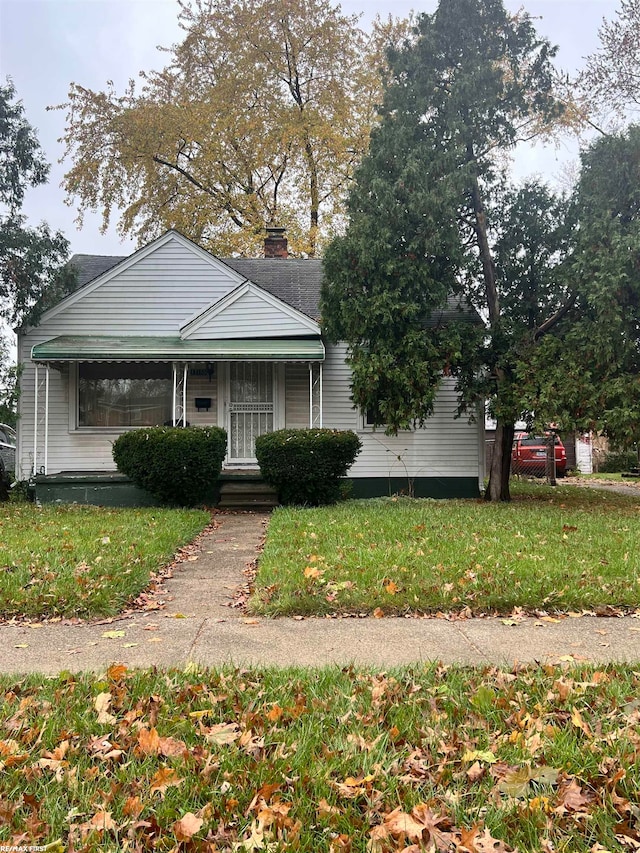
567, 548
84, 561
329, 761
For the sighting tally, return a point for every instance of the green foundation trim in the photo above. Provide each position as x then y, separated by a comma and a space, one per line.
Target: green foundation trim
109, 488
97, 488
419, 487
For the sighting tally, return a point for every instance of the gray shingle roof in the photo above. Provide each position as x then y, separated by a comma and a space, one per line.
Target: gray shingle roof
296, 282
91, 266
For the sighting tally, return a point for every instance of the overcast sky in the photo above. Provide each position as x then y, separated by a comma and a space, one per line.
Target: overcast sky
47, 44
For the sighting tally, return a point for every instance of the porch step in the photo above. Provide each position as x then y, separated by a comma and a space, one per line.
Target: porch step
247, 494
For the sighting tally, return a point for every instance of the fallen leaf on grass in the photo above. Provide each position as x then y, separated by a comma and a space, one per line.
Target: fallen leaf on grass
101, 704
100, 822
166, 777
573, 799
517, 781
148, 742
475, 772
185, 828
421, 825
579, 723
479, 755
486, 843
378, 613
326, 810
133, 807
313, 573
170, 747
223, 733
353, 786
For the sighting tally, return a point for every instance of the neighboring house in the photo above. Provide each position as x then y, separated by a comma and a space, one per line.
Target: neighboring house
7, 450
173, 334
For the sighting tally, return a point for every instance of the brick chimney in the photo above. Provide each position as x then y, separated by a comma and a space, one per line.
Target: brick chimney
275, 243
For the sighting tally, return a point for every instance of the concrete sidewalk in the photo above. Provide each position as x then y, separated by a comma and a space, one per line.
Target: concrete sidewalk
198, 625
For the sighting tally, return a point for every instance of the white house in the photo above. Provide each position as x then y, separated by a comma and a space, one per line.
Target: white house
172, 334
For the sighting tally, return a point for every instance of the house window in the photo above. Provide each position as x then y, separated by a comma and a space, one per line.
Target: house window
369, 418
124, 395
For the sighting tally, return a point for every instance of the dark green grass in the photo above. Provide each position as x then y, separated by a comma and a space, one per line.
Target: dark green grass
363, 742
84, 561
567, 548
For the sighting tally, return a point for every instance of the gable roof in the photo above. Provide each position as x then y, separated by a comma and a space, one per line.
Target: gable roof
89, 267
294, 281
248, 306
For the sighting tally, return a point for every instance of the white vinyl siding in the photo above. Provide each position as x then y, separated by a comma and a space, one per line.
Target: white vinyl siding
155, 296
446, 447
250, 316
201, 386
296, 396
68, 449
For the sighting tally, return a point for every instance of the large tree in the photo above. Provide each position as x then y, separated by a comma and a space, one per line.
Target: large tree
474, 82
32, 271
258, 119
586, 372
611, 78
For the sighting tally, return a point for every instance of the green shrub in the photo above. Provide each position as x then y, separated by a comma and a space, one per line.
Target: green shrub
615, 462
176, 465
305, 466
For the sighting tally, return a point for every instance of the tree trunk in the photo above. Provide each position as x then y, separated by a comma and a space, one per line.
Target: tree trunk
314, 197
498, 488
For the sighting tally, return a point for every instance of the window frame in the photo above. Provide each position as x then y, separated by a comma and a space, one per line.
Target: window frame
74, 403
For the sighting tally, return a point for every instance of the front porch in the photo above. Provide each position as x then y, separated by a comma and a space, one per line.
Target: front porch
112, 385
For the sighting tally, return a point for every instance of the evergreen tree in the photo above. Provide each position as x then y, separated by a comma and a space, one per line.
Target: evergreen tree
474, 82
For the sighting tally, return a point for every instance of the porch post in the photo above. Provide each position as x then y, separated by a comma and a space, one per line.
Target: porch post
35, 425
173, 399
315, 395
46, 421
184, 394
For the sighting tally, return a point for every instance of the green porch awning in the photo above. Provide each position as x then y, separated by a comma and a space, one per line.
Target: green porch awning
142, 348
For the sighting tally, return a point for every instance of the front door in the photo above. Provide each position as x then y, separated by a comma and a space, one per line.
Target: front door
250, 408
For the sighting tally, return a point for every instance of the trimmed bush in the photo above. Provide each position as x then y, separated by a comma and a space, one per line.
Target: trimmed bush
177, 465
306, 466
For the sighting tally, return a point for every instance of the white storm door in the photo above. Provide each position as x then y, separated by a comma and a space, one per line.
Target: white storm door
251, 407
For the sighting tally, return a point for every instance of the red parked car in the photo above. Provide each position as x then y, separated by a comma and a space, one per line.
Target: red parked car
530, 452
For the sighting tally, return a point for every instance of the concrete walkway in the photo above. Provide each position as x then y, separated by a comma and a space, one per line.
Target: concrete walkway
198, 625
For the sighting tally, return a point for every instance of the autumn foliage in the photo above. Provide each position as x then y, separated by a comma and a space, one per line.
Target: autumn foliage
260, 116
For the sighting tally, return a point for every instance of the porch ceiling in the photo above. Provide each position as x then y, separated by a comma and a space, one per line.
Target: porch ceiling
146, 348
